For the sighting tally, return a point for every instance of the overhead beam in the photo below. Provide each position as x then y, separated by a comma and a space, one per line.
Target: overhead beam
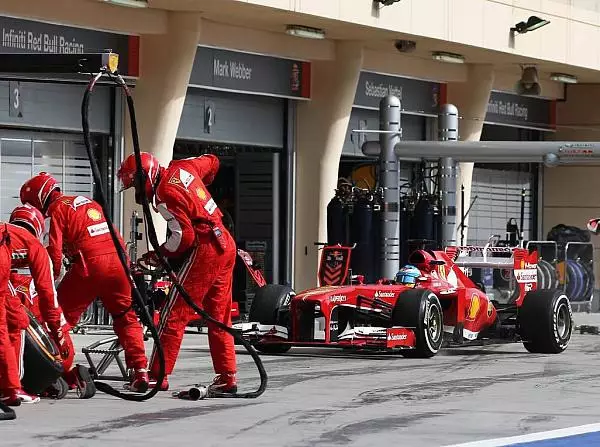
89, 14
550, 153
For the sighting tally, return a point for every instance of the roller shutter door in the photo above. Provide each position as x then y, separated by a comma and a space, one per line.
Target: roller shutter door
498, 194
30, 150
23, 154
255, 203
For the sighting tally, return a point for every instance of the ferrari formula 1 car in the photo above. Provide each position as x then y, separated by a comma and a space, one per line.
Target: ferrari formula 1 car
443, 306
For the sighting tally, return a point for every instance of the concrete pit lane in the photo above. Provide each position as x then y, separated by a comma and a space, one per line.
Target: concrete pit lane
321, 397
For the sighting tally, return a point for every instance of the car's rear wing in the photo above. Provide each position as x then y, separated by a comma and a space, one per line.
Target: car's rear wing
488, 257
519, 260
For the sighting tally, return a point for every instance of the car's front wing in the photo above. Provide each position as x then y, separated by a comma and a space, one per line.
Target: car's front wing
359, 337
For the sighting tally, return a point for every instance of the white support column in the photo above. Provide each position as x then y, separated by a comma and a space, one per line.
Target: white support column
322, 124
471, 98
166, 62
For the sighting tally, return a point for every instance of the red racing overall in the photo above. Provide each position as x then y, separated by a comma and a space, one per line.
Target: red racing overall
9, 369
78, 226
196, 230
28, 252
17, 321
25, 291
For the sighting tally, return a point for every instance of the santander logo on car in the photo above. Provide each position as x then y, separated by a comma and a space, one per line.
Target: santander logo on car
380, 294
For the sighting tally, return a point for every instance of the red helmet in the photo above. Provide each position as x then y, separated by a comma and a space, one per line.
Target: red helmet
37, 189
151, 168
30, 218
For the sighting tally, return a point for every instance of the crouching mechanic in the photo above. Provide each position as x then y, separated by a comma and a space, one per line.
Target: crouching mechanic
195, 231
78, 224
11, 393
37, 291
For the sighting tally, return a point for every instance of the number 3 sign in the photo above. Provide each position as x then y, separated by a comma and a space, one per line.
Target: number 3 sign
16, 105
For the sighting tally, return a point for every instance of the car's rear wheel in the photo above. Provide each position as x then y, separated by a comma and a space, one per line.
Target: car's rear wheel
270, 306
421, 310
546, 321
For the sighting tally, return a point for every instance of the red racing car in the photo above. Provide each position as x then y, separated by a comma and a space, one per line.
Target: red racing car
443, 306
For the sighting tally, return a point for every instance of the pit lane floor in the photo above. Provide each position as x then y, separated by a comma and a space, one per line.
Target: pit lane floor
319, 397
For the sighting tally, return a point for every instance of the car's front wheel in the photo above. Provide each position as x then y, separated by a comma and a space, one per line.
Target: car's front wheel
420, 309
269, 306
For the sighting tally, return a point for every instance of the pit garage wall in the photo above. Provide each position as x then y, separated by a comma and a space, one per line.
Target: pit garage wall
419, 100
246, 101
499, 186
571, 194
40, 122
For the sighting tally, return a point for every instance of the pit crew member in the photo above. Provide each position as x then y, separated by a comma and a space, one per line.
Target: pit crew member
79, 229
196, 232
10, 382
37, 292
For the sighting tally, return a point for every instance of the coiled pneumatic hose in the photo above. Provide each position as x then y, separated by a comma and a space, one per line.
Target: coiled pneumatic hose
151, 230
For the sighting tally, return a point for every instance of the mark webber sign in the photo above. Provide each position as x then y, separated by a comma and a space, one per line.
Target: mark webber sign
243, 72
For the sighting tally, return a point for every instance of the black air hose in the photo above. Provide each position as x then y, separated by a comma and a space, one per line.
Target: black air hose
142, 311
151, 230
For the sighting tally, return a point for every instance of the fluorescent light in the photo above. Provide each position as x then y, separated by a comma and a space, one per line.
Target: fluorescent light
451, 58
128, 3
305, 31
562, 77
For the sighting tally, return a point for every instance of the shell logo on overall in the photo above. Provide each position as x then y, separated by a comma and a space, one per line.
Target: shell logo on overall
94, 214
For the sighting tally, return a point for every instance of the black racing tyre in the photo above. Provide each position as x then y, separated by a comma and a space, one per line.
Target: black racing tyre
270, 306
545, 321
86, 388
575, 281
546, 275
40, 355
552, 275
589, 276
420, 309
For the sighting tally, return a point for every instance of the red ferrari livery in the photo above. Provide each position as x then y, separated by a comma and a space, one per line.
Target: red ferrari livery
444, 305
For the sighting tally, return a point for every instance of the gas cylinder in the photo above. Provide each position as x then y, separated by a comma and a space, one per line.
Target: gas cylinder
405, 230
376, 237
423, 220
336, 222
361, 233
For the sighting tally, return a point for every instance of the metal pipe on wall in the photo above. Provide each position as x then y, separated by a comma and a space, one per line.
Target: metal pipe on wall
551, 153
448, 131
276, 216
389, 177
291, 193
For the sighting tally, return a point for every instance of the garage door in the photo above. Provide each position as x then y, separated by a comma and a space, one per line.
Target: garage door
23, 154
498, 194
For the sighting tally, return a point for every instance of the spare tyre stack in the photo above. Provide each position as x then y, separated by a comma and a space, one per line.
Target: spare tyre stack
575, 266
